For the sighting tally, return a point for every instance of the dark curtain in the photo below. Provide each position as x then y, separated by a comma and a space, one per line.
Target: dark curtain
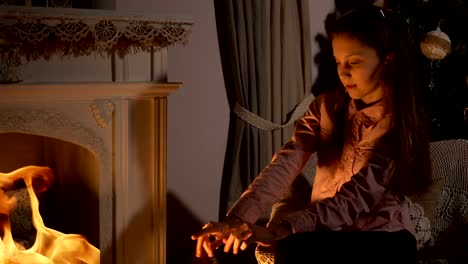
266, 59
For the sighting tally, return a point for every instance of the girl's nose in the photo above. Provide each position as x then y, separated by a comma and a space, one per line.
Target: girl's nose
343, 70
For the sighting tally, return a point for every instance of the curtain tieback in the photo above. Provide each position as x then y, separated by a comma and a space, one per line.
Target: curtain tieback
264, 124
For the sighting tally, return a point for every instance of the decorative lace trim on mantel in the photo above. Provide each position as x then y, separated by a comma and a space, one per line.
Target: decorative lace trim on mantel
38, 32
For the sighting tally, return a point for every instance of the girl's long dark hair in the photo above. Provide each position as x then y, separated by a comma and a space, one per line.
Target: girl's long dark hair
383, 31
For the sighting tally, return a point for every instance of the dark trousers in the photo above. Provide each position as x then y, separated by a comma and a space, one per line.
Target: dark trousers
348, 247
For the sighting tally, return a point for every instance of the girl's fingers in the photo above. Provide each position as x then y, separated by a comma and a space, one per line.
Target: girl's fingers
249, 240
235, 248
244, 245
229, 242
234, 236
242, 233
208, 250
199, 249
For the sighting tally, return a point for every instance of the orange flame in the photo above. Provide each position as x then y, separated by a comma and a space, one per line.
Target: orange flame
50, 246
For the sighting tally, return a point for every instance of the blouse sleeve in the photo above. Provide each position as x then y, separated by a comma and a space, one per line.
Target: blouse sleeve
359, 195
274, 180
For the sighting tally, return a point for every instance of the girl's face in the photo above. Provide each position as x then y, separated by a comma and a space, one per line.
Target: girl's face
358, 67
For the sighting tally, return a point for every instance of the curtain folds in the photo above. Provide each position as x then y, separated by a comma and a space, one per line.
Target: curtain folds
266, 59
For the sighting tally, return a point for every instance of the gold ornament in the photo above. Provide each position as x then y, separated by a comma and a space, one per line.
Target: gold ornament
436, 45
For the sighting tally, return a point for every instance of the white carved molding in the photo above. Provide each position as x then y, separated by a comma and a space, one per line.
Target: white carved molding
85, 91
102, 112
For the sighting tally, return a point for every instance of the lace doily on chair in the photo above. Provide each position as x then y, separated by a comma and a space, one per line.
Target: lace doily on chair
265, 255
422, 224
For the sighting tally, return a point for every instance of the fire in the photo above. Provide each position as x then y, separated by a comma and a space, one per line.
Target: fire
50, 246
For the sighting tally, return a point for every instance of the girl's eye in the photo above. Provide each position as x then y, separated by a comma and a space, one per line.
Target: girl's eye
354, 62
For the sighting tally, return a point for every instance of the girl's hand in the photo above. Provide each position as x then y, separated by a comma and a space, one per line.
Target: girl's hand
237, 234
213, 235
244, 234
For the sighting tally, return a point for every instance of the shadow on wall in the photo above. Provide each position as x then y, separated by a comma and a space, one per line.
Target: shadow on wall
181, 224
327, 76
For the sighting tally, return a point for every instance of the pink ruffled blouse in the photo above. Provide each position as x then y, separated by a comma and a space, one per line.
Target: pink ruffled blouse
350, 190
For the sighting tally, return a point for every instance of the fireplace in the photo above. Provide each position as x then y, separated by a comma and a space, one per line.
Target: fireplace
71, 203
106, 144
97, 122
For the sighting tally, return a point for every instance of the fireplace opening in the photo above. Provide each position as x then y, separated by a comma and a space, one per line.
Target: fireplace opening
71, 204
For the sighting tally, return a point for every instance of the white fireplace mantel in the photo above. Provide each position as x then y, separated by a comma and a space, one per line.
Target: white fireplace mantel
102, 86
124, 126
85, 90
